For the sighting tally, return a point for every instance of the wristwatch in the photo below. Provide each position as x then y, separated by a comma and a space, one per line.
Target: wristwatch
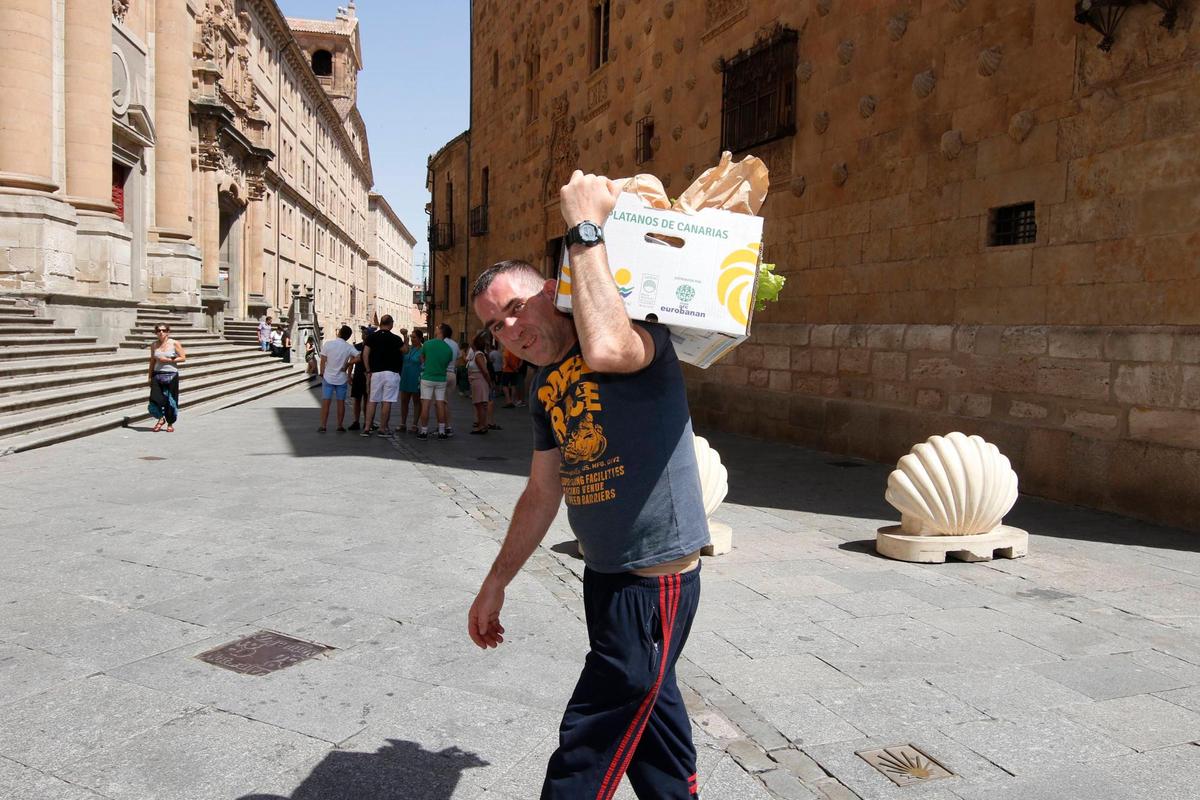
586, 233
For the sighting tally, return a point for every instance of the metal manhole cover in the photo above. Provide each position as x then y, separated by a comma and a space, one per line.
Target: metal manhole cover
845, 464
262, 653
491, 458
905, 765
152, 458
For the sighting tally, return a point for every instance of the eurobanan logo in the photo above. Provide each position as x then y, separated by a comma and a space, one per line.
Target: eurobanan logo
684, 293
735, 282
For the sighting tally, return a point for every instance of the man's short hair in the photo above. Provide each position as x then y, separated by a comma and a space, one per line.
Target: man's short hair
386, 321
501, 267
345, 332
446, 331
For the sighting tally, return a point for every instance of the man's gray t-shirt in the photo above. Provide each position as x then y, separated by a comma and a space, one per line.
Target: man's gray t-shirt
628, 470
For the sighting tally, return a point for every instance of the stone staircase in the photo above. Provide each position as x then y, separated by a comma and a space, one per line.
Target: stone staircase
55, 385
242, 332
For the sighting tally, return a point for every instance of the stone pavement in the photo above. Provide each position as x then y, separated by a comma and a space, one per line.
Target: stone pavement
1073, 673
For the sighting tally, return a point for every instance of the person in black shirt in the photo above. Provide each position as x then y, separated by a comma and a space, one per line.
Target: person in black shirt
383, 352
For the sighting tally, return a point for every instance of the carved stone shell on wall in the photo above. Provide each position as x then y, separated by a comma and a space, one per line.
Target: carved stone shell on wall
604, 170
804, 71
866, 105
702, 123
620, 159
989, 60
678, 44
656, 143
612, 127
1021, 125
690, 83
845, 52
620, 10
923, 83
824, 7
628, 118
669, 9
689, 171
621, 84
897, 26
953, 485
637, 75
668, 93
598, 135
649, 26
714, 478
821, 121
587, 143
570, 58
646, 109
798, 185
718, 64
841, 173
952, 144
677, 132
612, 54
575, 22
657, 60
958, 5
628, 41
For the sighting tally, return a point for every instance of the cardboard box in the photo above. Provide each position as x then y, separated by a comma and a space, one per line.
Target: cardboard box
700, 281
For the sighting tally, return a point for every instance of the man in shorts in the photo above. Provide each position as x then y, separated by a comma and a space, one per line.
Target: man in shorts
383, 352
613, 436
452, 368
337, 356
436, 357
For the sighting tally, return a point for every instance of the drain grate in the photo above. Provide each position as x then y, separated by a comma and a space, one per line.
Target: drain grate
905, 765
262, 653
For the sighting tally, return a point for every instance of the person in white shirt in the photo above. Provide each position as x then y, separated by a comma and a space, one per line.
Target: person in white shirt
336, 357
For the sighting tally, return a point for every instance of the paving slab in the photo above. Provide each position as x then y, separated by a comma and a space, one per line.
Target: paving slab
1108, 677
1026, 746
19, 782
1142, 723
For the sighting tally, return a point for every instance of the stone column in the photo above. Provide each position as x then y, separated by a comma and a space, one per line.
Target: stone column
88, 88
26, 84
172, 149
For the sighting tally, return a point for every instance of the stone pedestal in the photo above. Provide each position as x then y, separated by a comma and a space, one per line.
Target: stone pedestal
37, 241
1002, 542
214, 308
173, 267
720, 539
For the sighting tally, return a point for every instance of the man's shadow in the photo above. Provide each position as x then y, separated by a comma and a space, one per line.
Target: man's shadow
399, 770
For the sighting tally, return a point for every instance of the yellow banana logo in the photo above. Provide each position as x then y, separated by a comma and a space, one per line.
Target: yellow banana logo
735, 284
564, 279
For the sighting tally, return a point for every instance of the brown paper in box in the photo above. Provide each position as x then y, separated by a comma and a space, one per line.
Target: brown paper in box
741, 188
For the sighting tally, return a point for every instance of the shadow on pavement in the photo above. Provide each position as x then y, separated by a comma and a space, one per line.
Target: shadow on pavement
400, 770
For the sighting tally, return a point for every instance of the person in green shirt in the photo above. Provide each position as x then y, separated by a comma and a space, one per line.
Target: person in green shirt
435, 357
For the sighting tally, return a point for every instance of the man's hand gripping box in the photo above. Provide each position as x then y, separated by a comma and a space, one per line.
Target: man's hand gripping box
696, 273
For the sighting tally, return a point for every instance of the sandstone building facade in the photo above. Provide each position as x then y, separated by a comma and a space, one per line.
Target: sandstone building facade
988, 222
203, 155
390, 277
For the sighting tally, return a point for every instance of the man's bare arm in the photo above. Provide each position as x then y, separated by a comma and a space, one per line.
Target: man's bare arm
530, 520
607, 339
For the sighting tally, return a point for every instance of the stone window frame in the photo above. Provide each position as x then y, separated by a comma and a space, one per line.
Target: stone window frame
764, 75
600, 33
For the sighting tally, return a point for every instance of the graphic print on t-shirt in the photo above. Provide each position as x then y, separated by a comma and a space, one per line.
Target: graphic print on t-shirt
574, 407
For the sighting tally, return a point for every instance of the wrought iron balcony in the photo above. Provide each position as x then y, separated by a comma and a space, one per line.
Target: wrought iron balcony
479, 220
441, 235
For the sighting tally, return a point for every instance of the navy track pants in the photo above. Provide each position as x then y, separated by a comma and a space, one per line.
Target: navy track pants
626, 716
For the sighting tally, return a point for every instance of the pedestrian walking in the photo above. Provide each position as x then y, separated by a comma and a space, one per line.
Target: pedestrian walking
435, 362
337, 357
452, 369
358, 381
410, 383
495, 362
264, 334
508, 376
612, 433
382, 352
166, 355
481, 382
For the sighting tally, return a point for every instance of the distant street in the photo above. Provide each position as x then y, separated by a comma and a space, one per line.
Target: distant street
1073, 673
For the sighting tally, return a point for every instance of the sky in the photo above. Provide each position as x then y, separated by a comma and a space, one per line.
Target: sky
413, 91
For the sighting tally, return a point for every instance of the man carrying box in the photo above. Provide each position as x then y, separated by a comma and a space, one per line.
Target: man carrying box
612, 434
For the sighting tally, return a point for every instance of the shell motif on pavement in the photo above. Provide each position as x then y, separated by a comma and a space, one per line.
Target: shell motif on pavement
953, 485
714, 478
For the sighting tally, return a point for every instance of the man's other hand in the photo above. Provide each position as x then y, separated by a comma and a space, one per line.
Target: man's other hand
483, 620
587, 197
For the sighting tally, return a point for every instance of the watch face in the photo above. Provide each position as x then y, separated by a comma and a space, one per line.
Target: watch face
589, 232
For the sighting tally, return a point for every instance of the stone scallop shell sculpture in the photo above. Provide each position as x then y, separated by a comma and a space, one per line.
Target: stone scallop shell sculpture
714, 478
953, 485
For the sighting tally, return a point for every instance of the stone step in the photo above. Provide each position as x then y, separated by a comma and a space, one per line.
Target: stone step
39, 332
72, 373
16, 311
125, 399
48, 349
29, 360
23, 319
188, 344
49, 392
196, 401
148, 337
63, 334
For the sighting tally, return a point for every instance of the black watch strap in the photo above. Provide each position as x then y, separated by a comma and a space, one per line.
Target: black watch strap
586, 233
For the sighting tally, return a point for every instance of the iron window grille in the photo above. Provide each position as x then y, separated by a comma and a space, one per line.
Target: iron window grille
1009, 225
479, 220
601, 15
643, 143
443, 235
758, 94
